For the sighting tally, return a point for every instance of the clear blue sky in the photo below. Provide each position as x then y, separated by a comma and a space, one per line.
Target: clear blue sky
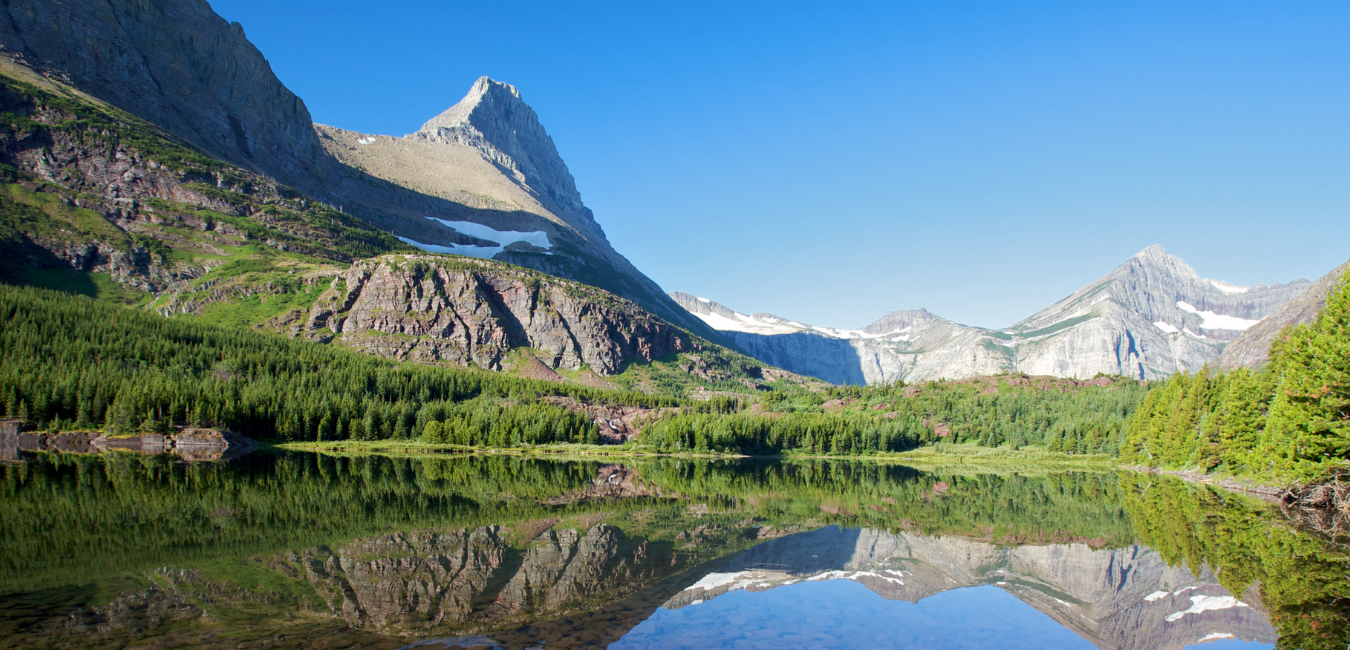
830, 162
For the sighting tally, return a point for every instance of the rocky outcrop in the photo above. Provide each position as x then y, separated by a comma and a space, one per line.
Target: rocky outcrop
191, 444
430, 308
1150, 317
1252, 349
1118, 599
175, 64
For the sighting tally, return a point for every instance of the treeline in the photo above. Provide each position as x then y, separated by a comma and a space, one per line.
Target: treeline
1290, 420
1011, 410
754, 433
70, 517
69, 363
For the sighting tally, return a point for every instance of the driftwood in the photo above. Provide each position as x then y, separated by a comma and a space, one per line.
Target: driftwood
1323, 507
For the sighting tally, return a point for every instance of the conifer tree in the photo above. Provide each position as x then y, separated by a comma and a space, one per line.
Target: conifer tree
1309, 427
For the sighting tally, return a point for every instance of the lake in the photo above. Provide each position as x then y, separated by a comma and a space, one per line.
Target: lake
298, 550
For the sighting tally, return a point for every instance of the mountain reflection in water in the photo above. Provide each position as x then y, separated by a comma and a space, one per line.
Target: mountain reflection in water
318, 551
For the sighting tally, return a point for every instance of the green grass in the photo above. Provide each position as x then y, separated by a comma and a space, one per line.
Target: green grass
1058, 327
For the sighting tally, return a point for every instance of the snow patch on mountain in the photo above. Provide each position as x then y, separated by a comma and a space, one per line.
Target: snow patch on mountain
1213, 321
1229, 289
503, 238
1204, 604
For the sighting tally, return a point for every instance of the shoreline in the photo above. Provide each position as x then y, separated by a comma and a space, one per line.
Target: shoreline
1270, 493
975, 455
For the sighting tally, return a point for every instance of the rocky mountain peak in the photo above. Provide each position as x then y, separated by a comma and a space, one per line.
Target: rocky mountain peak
1156, 259
902, 319
495, 120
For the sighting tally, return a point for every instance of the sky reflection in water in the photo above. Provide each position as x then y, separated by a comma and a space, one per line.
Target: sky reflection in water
845, 614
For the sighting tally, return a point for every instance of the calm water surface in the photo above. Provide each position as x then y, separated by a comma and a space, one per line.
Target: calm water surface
319, 551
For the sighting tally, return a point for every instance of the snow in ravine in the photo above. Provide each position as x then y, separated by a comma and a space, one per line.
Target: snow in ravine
1166, 328
503, 238
1205, 604
1213, 321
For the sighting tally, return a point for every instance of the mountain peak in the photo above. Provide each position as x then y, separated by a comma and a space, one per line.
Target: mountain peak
493, 119
1155, 251
486, 94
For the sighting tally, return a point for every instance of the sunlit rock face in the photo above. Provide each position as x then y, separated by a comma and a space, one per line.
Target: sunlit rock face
1151, 317
431, 309
1126, 598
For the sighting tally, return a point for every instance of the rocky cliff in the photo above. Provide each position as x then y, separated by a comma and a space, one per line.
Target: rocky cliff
430, 308
1126, 598
1252, 348
1150, 317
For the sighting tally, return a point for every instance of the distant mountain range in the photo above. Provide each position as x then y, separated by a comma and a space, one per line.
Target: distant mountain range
1150, 317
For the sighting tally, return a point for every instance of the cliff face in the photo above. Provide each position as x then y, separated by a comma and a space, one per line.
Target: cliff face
1126, 598
175, 64
1252, 349
429, 308
1150, 317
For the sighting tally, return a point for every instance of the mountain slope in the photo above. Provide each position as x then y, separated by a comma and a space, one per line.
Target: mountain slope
1149, 317
179, 66
1252, 349
484, 179
96, 201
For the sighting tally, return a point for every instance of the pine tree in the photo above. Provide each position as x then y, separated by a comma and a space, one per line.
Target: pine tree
1309, 427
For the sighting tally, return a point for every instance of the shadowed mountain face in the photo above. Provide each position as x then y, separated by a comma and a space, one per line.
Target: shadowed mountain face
172, 63
1150, 317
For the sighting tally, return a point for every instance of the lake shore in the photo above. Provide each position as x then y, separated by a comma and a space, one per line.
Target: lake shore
938, 455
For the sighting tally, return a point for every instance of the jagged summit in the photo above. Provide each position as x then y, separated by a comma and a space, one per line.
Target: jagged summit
494, 119
486, 93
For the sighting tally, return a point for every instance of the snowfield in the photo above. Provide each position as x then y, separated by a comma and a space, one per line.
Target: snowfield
1213, 321
503, 238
